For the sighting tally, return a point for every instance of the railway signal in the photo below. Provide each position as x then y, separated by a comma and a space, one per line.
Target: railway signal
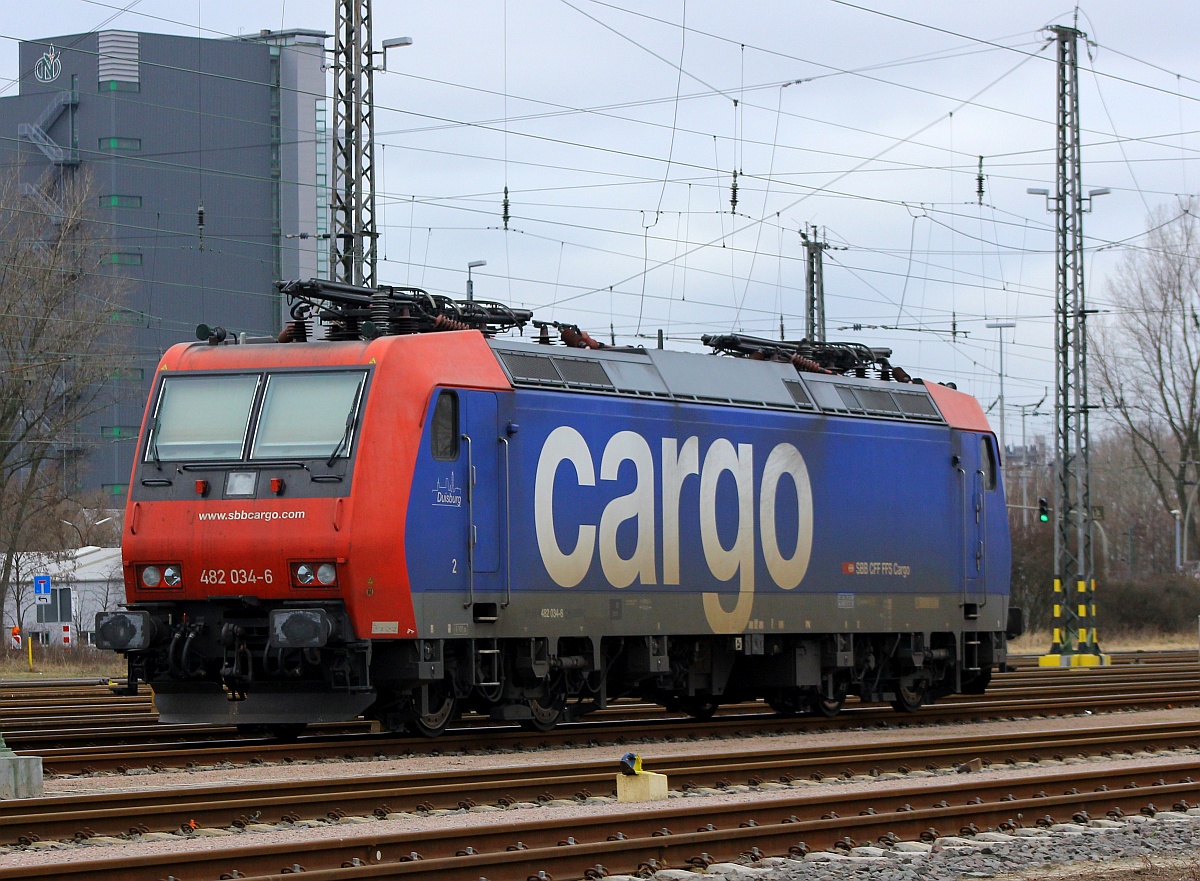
1043, 511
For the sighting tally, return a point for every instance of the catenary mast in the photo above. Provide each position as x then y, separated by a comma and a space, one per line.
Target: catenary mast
1074, 642
814, 286
353, 239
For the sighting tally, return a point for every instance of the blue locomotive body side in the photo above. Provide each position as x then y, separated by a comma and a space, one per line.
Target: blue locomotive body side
744, 510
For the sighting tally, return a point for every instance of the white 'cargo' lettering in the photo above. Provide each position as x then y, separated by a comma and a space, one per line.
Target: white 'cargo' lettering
787, 572
675, 469
723, 562
563, 444
628, 446
678, 463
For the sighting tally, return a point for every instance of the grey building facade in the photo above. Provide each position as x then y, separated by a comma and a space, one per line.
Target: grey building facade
207, 157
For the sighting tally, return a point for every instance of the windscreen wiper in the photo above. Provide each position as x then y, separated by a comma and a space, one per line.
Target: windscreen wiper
344, 443
154, 444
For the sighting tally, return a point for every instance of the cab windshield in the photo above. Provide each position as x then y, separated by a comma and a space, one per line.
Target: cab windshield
202, 417
306, 415
285, 415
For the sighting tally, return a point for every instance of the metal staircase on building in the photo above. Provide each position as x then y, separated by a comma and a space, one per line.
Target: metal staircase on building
36, 132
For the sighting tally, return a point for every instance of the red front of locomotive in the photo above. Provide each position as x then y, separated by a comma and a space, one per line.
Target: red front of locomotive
264, 540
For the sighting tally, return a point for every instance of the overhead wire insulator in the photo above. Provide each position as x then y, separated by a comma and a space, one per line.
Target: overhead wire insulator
979, 182
505, 215
200, 223
733, 194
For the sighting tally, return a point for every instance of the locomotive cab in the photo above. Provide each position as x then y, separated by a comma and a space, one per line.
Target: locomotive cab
233, 579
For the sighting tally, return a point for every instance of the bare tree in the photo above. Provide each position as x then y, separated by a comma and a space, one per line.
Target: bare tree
58, 346
1148, 357
1136, 537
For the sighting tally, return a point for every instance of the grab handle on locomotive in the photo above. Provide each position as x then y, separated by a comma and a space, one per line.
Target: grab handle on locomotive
507, 523
470, 524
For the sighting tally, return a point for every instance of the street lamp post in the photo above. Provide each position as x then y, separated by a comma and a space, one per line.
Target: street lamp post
474, 264
999, 326
1178, 534
393, 43
1187, 518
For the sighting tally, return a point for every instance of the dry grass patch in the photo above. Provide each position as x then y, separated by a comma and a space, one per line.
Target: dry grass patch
1117, 641
1153, 867
56, 662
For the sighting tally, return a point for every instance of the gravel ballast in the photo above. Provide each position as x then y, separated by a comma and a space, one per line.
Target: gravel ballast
1081, 851
1075, 851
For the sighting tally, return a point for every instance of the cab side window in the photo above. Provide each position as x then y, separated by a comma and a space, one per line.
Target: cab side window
987, 462
443, 433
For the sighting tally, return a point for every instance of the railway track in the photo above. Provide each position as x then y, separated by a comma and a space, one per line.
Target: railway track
81, 816
366, 847
78, 757
90, 689
1122, 658
26, 710
622, 840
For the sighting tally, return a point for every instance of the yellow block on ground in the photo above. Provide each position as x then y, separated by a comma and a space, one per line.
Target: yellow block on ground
646, 786
1081, 660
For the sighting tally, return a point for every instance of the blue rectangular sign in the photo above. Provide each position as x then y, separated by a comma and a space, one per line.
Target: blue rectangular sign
41, 584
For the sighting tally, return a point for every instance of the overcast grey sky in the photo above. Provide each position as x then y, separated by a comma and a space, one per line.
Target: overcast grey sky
617, 127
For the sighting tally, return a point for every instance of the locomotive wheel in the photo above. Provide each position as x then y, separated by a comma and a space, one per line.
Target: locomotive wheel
699, 707
435, 721
282, 731
546, 715
285, 731
909, 698
786, 702
979, 683
826, 706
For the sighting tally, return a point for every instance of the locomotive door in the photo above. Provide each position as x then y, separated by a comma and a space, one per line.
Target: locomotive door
481, 451
972, 482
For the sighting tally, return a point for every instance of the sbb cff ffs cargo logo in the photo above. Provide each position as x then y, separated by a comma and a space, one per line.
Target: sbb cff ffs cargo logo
567, 562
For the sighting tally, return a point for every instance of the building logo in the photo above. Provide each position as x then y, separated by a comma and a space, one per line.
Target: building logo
49, 66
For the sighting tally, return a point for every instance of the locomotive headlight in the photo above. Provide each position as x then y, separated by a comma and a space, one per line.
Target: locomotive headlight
327, 574
304, 574
161, 576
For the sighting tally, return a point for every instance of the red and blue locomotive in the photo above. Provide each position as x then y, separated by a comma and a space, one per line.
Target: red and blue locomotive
415, 515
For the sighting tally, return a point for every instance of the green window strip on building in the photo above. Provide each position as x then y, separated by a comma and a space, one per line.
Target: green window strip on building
120, 432
128, 316
114, 489
118, 201
119, 144
125, 259
118, 86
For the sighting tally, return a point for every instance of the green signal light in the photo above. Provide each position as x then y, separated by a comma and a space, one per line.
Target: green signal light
1043, 510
